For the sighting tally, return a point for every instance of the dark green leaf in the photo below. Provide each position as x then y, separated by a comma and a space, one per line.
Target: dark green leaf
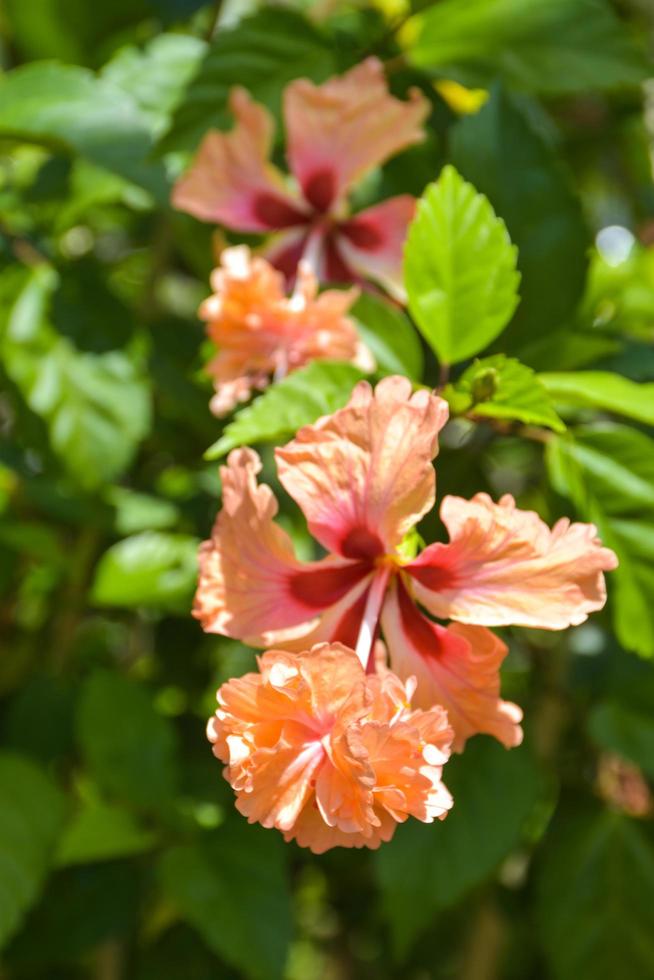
148, 569
501, 387
604, 391
549, 46
232, 887
428, 867
608, 471
129, 748
626, 731
596, 889
390, 336
101, 832
460, 269
317, 389
31, 814
501, 153
264, 52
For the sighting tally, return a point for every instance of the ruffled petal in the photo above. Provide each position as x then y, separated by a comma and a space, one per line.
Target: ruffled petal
503, 566
363, 476
338, 131
372, 242
457, 667
250, 581
231, 180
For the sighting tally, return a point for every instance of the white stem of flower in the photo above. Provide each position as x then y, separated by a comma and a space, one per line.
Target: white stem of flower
371, 615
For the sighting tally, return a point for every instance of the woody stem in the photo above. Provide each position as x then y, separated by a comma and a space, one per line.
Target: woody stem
371, 616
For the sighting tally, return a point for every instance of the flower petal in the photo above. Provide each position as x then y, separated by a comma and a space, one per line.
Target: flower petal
363, 476
457, 667
372, 242
231, 180
503, 566
250, 581
338, 131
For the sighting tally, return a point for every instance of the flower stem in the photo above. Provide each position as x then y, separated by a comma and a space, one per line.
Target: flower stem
371, 616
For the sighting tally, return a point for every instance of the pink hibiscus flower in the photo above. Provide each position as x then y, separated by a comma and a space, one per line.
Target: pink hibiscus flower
335, 134
363, 478
327, 754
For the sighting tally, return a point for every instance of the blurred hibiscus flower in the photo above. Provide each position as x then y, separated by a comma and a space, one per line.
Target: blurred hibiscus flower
262, 334
335, 134
327, 754
363, 478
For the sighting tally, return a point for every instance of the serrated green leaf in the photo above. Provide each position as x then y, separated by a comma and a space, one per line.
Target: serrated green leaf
500, 151
265, 52
502, 388
626, 731
128, 747
428, 867
390, 336
553, 47
597, 873
608, 472
315, 390
460, 269
96, 406
602, 390
148, 569
68, 107
31, 814
232, 887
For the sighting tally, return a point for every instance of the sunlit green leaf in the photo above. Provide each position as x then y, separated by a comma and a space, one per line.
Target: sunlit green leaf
317, 389
549, 46
102, 832
148, 569
460, 269
602, 390
608, 471
502, 388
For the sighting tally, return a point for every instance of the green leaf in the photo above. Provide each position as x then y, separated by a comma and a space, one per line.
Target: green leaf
552, 47
128, 747
140, 511
602, 390
597, 876
102, 832
148, 569
264, 52
315, 390
460, 269
68, 107
428, 867
232, 887
502, 154
608, 472
390, 336
624, 730
157, 76
96, 406
501, 387
31, 814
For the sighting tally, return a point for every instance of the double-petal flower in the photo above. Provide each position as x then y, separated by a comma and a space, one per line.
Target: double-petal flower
363, 478
335, 134
262, 334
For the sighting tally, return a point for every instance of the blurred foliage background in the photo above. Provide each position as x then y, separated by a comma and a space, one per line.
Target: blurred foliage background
121, 855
